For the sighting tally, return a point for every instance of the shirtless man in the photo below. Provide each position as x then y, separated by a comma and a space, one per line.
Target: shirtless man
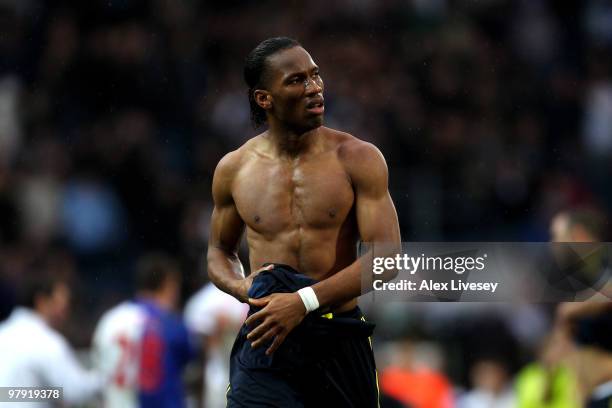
305, 193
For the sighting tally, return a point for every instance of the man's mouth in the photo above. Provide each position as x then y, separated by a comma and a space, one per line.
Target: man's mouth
316, 106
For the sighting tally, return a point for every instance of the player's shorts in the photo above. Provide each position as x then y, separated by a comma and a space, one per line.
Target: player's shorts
324, 362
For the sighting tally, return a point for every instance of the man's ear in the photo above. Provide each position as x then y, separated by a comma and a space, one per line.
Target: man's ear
40, 301
263, 99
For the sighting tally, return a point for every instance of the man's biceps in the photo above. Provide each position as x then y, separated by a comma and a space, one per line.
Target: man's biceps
225, 241
375, 217
374, 208
221, 212
226, 221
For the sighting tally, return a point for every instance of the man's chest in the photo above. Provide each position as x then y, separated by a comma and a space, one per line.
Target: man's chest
272, 197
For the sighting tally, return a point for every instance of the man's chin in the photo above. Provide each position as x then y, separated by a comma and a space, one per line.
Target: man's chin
308, 124
315, 122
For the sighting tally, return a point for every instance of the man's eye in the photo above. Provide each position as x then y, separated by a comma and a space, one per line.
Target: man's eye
295, 81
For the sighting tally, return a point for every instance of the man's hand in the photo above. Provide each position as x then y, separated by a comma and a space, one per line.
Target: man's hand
280, 314
245, 284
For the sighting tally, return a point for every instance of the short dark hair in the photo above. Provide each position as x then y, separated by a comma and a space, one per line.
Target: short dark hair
255, 69
38, 283
154, 270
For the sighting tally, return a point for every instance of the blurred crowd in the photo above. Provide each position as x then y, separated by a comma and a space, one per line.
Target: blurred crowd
493, 115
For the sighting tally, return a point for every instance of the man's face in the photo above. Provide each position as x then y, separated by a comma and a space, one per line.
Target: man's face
55, 306
294, 89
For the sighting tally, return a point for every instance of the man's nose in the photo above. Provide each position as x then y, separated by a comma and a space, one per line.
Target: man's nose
312, 86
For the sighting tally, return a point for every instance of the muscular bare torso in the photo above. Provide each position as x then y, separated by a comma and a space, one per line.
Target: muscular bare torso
298, 211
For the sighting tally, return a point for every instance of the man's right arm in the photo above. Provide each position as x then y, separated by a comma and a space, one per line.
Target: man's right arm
60, 367
224, 267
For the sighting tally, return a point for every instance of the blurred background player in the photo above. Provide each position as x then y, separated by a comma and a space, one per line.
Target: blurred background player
116, 353
549, 381
585, 327
413, 383
142, 346
216, 317
33, 353
491, 385
579, 225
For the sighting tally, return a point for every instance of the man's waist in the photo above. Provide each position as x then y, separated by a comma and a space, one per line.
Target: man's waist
344, 307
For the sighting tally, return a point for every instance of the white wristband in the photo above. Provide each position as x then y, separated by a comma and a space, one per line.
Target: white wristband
309, 298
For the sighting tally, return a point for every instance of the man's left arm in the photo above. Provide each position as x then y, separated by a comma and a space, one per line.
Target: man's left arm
376, 219
377, 222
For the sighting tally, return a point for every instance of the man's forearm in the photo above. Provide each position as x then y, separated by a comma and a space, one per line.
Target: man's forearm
226, 272
349, 283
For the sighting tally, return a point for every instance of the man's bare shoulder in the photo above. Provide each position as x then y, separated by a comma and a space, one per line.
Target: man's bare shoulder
228, 169
232, 162
353, 151
363, 162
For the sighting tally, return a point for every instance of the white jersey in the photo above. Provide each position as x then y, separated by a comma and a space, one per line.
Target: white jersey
116, 353
209, 307
32, 354
215, 314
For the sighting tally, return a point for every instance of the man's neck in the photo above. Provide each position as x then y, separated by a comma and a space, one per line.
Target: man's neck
43, 315
291, 143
